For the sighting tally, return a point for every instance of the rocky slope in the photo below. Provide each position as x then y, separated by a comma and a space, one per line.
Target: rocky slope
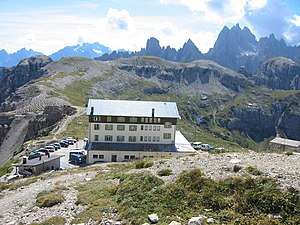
279, 73
18, 205
41, 92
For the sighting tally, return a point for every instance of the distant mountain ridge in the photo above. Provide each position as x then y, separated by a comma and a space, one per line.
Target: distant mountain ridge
84, 50
189, 52
8, 60
234, 48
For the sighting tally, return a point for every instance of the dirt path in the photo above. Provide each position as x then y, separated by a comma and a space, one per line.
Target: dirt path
62, 125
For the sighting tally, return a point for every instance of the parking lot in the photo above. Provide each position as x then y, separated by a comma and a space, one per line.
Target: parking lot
64, 161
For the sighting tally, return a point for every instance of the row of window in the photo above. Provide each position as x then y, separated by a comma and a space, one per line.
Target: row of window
98, 156
132, 127
121, 138
121, 119
126, 157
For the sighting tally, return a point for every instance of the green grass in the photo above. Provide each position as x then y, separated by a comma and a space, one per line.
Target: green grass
144, 163
242, 200
7, 167
282, 94
78, 127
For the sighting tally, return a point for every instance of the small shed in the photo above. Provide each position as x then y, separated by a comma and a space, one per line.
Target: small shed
38, 165
282, 144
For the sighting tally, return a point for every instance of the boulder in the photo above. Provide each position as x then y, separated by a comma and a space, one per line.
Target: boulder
153, 218
197, 220
175, 223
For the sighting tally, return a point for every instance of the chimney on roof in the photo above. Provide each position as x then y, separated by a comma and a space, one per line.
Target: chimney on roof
92, 111
153, 111
24, 159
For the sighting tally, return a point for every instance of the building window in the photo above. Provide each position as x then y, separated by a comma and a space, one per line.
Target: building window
154, 139
120, 127
157, 139
101, 156
133, 120
167, 135
108, 119
150, 120
141, 138
149, 138
108, 127
120, 138
158, 120
146, 127
126, 156
132, 138
142, 120
108, 138
158, 128
95, 156
168, 124
145, 138
154, 128
132, 157
154, 120
97, 118
146, 120
96, 138
121, 119
96, 126
132, 127
142, 127
150, 128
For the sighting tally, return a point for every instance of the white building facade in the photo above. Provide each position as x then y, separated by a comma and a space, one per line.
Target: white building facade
121, 130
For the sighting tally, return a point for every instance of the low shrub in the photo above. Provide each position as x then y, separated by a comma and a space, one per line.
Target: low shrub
254, 171
56, 220
289, 152
49, 198
164, 172
143, 164
236, 168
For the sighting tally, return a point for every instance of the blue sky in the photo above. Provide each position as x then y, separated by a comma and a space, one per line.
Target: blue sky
48, 26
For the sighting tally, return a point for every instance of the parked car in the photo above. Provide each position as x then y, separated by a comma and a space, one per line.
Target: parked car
33, 155
46, 151
77, 159
77, 151
207, 147
197, 145
70, 141
64, 144
50, 148
57, 145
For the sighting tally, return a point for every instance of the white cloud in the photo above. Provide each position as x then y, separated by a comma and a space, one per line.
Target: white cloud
119, 20
256, 4
220, 12
296, 20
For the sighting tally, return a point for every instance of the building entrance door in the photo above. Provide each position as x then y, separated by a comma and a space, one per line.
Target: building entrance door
114, 158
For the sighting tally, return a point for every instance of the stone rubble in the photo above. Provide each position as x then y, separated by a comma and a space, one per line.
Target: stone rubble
18, 206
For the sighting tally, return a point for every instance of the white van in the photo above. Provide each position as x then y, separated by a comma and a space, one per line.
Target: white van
197, 145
